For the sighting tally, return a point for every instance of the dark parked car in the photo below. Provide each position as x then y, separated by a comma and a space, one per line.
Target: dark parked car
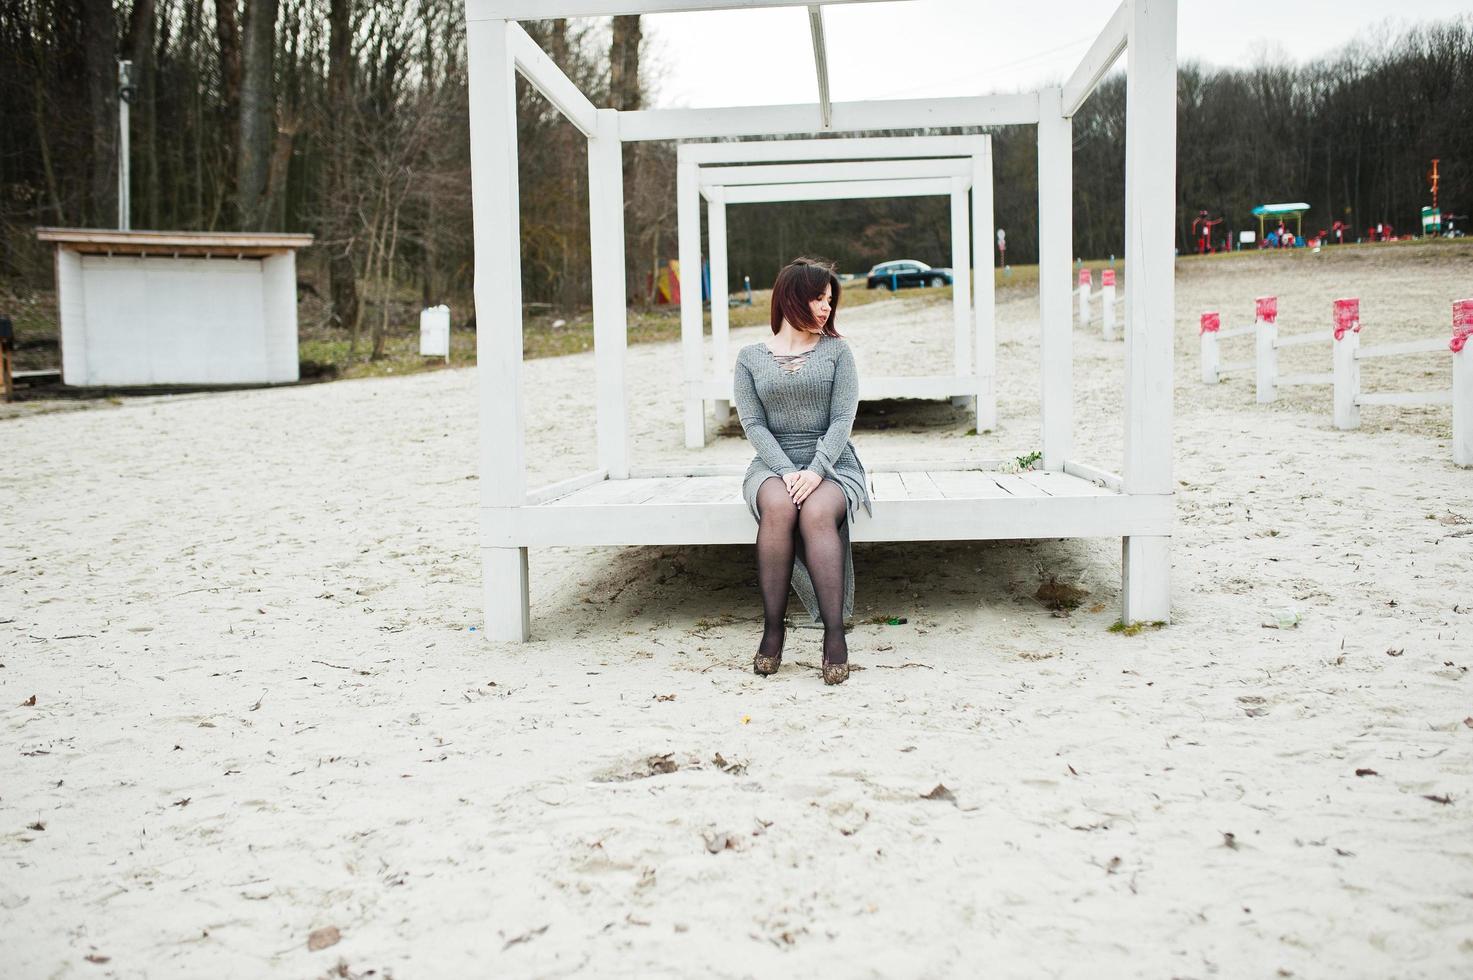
902, 273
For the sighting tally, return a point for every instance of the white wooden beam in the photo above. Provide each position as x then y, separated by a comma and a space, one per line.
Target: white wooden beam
797, 173
720, 310
1055, 237
498, 296
988, 518
547, 78
545, 9
610, 311
843, 148
843, 190
984, 290
1100, 57
961, 276
820, 64
1150, 296
692, 327
903, 114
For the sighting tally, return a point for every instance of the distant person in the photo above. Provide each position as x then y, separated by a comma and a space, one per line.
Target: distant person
796, 395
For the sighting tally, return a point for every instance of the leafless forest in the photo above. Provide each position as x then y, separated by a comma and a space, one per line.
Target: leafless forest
347, 119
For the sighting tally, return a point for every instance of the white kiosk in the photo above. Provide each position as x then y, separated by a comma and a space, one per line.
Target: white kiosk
176, 307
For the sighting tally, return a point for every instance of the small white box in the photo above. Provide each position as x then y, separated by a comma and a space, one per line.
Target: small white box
434, 332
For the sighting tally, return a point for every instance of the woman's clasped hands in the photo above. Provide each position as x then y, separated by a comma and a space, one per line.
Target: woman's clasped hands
801, 484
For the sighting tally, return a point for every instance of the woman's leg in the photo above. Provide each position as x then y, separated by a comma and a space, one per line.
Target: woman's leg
819, 520
776, 528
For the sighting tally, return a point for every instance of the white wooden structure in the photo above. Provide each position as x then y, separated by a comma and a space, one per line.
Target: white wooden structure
1108, 302
1459, 394
864, 168
173, 307
618, 504
1346, 357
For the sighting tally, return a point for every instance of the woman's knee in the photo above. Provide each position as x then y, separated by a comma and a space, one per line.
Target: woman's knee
774, 506
824, 509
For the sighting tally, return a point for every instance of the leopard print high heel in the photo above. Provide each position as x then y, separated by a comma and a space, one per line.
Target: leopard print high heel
836, 673
768, 663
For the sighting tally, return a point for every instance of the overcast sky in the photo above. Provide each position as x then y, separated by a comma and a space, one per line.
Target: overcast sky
923, 48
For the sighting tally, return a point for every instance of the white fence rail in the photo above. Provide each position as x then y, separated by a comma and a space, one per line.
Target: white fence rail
1109, 303
1346, 356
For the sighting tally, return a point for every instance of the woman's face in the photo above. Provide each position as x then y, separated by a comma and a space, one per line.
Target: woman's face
821, 309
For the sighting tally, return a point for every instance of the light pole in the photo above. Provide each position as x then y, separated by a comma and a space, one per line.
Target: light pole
125, 96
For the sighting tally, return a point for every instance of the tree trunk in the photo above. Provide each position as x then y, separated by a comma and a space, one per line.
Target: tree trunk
341, 271
141, 30
100, 31
227, 34
255, 134
624, 88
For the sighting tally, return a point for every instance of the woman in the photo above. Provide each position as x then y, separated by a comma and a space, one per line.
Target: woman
796, 395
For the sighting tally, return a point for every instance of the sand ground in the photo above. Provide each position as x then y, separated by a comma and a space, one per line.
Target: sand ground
262, 709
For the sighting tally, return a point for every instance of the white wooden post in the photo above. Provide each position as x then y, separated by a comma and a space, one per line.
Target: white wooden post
1085, 281
498, 295
1107, 304
720, 311
1266, 340
1055, 234
1208, 327
984, 294
1347, 382
1462, 353
610, 310
1150, 302
1347, 367
692, 329
961, 283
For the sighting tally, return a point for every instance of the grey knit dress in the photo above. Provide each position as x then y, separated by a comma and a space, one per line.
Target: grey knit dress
801, 420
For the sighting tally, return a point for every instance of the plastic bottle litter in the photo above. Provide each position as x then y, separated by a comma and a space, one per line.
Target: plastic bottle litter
1283, 619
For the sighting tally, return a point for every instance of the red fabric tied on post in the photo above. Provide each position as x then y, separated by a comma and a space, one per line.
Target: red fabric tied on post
1462, 324
1211, 322
1107, 278
1266, 308
1085, 277
1347, 317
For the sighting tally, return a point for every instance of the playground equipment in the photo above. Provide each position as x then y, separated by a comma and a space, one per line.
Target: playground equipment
935, 500
1346, 356
806, 170
1202, 231
1264, 212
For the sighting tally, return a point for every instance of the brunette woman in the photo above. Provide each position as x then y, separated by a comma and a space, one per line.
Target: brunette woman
796, 395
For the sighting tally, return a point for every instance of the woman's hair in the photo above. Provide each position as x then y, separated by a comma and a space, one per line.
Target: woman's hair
799, 283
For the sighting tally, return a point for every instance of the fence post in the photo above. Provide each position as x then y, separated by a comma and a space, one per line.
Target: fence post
1462, 382
1084, 284
1210, 324
1266, 337
1107, 303
1347, 368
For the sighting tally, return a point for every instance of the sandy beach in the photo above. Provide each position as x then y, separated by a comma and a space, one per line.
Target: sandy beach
263, 708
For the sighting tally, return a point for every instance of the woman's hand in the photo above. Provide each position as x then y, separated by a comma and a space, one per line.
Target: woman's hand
803, 483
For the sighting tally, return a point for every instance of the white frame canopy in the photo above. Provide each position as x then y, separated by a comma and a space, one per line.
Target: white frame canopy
617, 504
936, 165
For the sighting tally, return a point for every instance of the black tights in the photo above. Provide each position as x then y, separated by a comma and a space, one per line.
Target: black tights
814, 527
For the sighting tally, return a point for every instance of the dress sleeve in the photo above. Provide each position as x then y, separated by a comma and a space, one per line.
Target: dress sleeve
843, 403
754, 423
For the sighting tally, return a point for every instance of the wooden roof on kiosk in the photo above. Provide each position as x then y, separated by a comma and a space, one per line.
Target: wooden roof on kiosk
102, 241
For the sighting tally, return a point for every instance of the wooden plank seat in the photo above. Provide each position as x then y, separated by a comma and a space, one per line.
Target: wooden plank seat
909, 505
870, 389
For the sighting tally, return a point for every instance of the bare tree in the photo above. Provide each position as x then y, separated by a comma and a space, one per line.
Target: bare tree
257, 114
